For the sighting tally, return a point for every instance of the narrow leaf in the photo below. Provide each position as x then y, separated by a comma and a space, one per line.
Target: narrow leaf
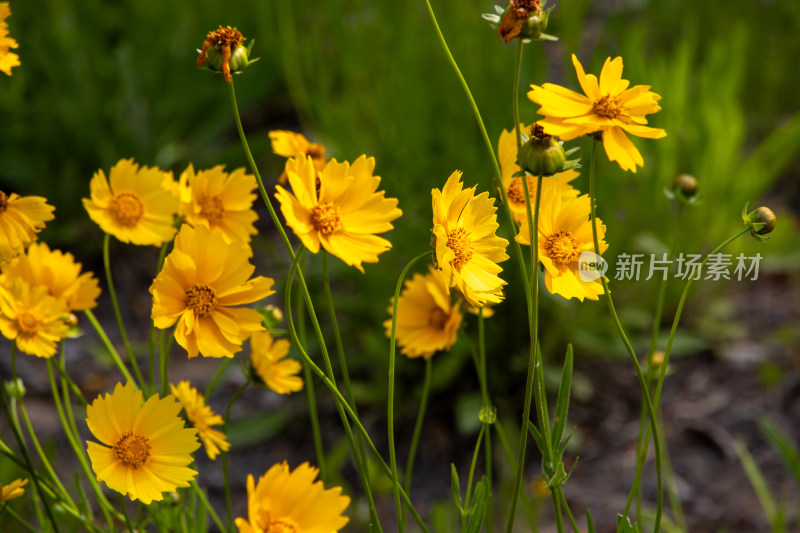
562, 404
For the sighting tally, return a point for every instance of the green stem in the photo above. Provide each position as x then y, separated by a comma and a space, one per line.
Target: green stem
226, 477
631, 352
207, 506
110, 347
486, 401
559, 490
472, 465
217, 375
163, 357
151, 349
423, 404
21, 521
515, 93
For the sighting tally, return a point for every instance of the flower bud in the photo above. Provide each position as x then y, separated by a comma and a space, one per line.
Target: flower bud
273, 317
534, 26
761, 221
541, 155
15, 389
685, 184
487, 415
223, 52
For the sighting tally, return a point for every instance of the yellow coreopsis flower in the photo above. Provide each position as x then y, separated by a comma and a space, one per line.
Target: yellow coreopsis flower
12, 490
132, 204
202, 418
220, 201
203, 279
467, 248
292, 501
8, 59
269, 361
145, 448
565, 232
338, 208
31, 317
427, 320
608, 106
58, 272
291, 144
21, 218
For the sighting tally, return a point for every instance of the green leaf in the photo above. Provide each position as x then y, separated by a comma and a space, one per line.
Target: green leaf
455, 487
589, 522
562, 404
757, 481
478, 508
785, 448
624, 525
537, 437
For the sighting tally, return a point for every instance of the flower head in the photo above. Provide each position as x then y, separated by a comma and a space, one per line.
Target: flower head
565, 232
338, 208
203, 279
467, 248
31, 317
133, 205
285, 501
223, 52
12, 490
8, 59
271, 366
58, 272
220, 201
202, 418
291, 144
21, 218
608, 106
427, 320
145, 449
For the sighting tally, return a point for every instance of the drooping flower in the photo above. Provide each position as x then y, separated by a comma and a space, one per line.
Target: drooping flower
467, 248
507, 155
57, 271
202, 281
565, 232
8, 59
270, 364
145, 448
21, 218
31, 317
202, 418
608, 106
291, 144
285, 501
427, 319
133, 205
220, 201
338, 208
12, 490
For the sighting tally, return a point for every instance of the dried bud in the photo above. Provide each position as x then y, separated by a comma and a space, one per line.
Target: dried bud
523, 19
223, 52
543, 155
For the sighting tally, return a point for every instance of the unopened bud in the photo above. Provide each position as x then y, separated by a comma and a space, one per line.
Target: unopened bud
686, 184
273, 317
541, 155
761, 221
15, 389
487, 415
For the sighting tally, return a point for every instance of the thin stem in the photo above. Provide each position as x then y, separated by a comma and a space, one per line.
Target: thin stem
21, 521
487, 402
423, 404
226, 477
110, 347
515, 93
217, 375
472, 465
151, 348
207, 505
560, 492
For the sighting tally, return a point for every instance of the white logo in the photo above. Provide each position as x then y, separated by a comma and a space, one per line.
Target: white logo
591, 266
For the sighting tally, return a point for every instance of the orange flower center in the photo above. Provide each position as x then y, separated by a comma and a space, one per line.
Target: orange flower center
607, 107
28, 323
3, 201
211, 208
459, 242
283, 525
437, 319
201, 299
132, 450
516, 192
225, 36
326, 218
126, 209
561, 248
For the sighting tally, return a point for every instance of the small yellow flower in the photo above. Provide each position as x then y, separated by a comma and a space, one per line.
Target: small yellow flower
608, 107
565, 232
202, 418
285, 501
133, 205
203, 278
467, 248
15, 488
21, 218
269, 361
8, 59
31, 317
220, 201
507, 155
58, 272
338, 208
291, 144
427, 320
146, 449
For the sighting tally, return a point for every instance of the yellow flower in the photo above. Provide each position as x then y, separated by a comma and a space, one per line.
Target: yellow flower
291, 144
202, 418
133, 205
285, 501
565, 232
31, 317
147, 448
466, 246
13, 489
220, 201
21, 218
427, 321
269, 361
608, 107
58, 272
7, 59
507, 154
203, 278
338, 208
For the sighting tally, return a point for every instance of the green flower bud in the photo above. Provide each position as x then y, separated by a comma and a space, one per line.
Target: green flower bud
223, 52
541, 155
15, 389
761, 221
273, 317
686, 185
535, 25
487, 415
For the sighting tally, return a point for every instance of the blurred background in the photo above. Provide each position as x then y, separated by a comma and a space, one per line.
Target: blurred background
102, 80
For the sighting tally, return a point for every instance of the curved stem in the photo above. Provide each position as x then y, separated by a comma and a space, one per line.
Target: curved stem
207, 505
472, 465
226, 477
109, 347
217, 375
